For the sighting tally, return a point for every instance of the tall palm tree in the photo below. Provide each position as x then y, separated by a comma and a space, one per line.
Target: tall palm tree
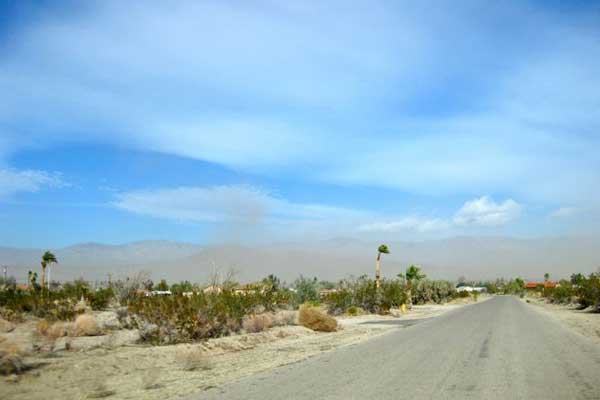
383, 249
47, 259
546, 277
413, 274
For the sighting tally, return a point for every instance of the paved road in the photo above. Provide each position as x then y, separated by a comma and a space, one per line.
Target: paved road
498, 349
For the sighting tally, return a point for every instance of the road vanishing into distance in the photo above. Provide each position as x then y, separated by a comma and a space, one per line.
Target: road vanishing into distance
497, 349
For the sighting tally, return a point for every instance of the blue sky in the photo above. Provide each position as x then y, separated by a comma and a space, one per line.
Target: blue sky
258, 121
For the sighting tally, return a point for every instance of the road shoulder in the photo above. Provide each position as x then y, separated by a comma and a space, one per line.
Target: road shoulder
583, 322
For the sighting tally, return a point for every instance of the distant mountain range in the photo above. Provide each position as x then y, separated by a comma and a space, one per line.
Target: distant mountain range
472, 257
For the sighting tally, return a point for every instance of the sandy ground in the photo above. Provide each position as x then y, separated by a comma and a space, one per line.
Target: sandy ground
159, 372
583, 322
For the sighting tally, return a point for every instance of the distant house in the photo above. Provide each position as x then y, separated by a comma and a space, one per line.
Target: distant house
541, 285
159, 293
326, 292
250, 288
212, 289
478, 289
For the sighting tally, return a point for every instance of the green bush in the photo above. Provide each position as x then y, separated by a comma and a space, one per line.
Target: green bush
100, 299
363, 293
462, 294
432, 291
204, 315
588, 292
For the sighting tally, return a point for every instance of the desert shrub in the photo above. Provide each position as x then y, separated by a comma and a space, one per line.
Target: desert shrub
306, 290
340, 301
354, 311
42, 327
204, 315
462, 294
75, 289
257, 323
562, 294
101, 298
285, 317
86, 325
126, 289
588, 291
63, 310
193, 358
43, 304
60, 329
432, 291
315, 319
363, 293
182, 287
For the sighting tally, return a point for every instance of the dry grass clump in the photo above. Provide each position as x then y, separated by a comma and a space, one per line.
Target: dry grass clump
86, 325
193, 358
285, 317
257, 323
42, 327
317, 320
60, 329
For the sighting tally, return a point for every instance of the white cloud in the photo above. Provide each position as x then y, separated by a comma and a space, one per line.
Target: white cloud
456, 105
257, 213
412, 224
239, 203
13, 181
485, 212
563, 212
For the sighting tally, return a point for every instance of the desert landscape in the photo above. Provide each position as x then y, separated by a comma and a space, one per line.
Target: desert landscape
267, 200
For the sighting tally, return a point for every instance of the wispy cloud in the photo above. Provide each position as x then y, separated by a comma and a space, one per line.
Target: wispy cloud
247, 208
407, 224
13, 181
240, 203
563, 212
485, 212
284, 94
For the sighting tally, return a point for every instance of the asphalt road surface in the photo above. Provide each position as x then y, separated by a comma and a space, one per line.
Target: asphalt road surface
498, 349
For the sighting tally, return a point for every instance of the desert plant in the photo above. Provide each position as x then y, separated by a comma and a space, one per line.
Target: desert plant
48, 258
306, 290
257, 323
60, 329
285, 317
86, 325
100, 298
193, 358
382, 249
588, 292
315, 319
42, 327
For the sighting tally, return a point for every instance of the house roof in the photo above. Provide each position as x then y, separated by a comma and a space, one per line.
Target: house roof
533, 285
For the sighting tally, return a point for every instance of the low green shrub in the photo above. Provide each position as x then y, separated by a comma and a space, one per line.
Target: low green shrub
204, 315
362, 293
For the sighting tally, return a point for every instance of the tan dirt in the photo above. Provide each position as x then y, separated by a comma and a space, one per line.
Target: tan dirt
156, 372
583, 322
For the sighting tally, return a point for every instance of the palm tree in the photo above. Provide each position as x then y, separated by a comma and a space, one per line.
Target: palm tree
47, 259
413, 274
546, 277
383, 249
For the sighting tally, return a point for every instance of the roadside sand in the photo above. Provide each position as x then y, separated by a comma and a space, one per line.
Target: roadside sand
583, 322
157, 372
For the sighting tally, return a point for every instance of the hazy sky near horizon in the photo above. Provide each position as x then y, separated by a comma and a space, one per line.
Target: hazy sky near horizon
207, 121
